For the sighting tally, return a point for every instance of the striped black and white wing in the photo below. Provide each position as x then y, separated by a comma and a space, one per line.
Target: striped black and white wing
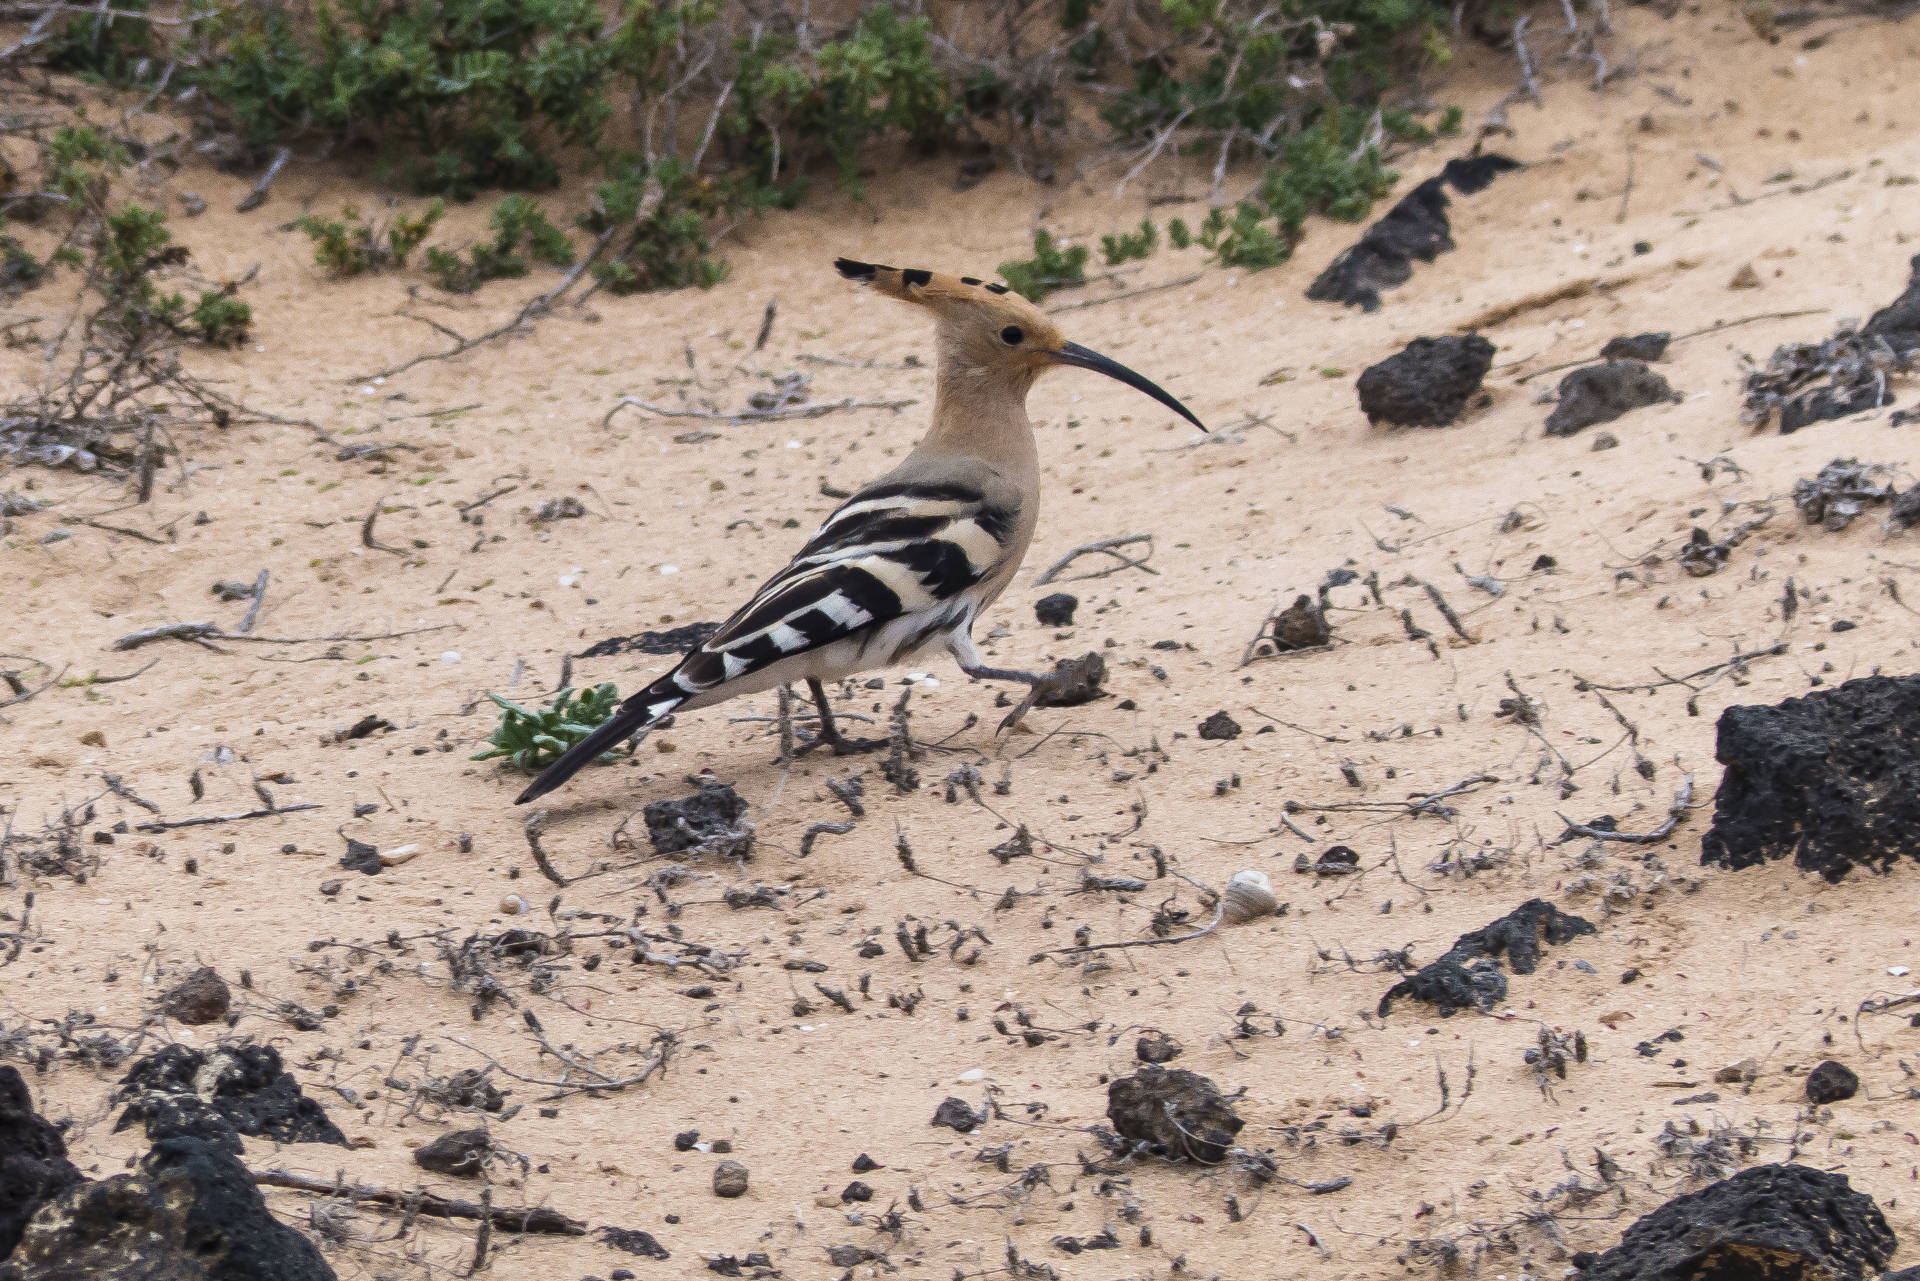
893, 551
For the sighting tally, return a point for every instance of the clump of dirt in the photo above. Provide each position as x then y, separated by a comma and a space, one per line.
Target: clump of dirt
1427, 383
1416, 227
1805, 383
217, 1095
201, 997
1072, 682
459, 1153
1780, 1222
1173, 1113
34, 1167
191, 1210
1636, 346
1842, 491
1219, 727
1831, 1081
1832, 778
1157, 1047
1468, 977
675, 640
1056, 610
709, 821
1602, 393
958, 1115
634, 1241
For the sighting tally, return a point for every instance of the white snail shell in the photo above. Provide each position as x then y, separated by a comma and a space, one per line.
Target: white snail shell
1248, 895
514, 905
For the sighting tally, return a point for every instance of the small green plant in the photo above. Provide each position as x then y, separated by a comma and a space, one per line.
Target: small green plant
110, 46
1449, 122
221, 320
1178, 234
1243, 239
79, 160
19, 270
665, 210
534, 740
1130, 245
351, 246
1050, 268
517, 220
134, 244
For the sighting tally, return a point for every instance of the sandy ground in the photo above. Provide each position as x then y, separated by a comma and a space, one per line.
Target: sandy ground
683, 517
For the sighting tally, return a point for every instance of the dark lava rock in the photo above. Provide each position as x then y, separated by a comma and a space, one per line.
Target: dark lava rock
1427, 383
1842, 491
1173, 1113
1832, 778
201, 997
33, 1160
461, 1153
1467, 976
1831, 1082
1072, 682
634, 1241
218, 1094
1416, 227
1157, 1047
849, 1256
1806, 383
361, 857
677, 640
1056, 610
709, 818
1601, 393
856, 1191
863, 1163
684, 1141
1335, 860
1301, 625
1905, 512
1220, 727
956, 1114
1636, 347
1768, 1223
190, 1213
730, 1179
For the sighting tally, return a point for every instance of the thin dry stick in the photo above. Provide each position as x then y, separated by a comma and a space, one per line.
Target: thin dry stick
1125, 294
1582, 684
535, 821
483, 1236
1108, 546
253, 610
1219, 911
366, 531
224, 818
199, 632
1682, 800
744, 416
531, 1218
1692, 333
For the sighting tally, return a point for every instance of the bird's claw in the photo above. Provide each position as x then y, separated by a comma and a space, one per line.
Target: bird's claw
841, 745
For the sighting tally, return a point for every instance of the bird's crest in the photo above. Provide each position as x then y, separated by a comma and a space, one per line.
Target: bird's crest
910, 284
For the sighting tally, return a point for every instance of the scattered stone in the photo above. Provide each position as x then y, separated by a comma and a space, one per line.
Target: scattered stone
461, 1154
1905, 512
1416, 227
684, 1141
864, 1163
1636, 347
1157, 1047
361, 857
1745, 278
219, 1094
1336, 860
1220, 727
33, 1160
201, 997
1842, 491
677, 640
1173, 1113
1831, 1082
956, 1114
1056, 610
1832, 778
856, 1191
1767, 1223
1467, 976
190, 1213
1806, 383
709, 821
849, 1256
1072, 682
1426, 384
1601, 393
729, 1179
193, 203
565, 507
1301, 625
634, 1241
1604, 441
1703, 554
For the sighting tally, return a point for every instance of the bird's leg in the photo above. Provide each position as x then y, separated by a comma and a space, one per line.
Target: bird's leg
829, 735
1037, 683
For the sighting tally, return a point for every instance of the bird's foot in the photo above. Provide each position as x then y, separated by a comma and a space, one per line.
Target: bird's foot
841, 745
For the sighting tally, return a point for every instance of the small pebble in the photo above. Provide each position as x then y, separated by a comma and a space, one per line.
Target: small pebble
730, 1179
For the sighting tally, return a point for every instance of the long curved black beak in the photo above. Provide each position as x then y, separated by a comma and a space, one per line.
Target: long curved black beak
1074, 354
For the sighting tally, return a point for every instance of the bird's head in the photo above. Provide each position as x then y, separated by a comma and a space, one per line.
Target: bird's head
985, 326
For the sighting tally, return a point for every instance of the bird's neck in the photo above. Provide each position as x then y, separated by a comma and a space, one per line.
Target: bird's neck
983, 413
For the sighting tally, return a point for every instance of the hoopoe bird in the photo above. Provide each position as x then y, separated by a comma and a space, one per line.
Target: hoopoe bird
911, 561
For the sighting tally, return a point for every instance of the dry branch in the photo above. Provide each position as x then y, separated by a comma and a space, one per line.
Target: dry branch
1682, 800
532, 1218
1109, 546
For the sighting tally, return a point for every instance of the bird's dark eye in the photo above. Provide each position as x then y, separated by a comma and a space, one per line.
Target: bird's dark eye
1012, 335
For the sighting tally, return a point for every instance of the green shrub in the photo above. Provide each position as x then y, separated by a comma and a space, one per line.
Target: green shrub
350, 246
664, 212
1129, 245
221, 320
1178, 234
1243, 238
1325, 169
19, 270
516, 221
79, 161
459, 94
534, 740
113, 48
1049, 269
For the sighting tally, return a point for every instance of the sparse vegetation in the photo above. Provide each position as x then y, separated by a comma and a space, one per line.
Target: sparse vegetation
518, 223
351, 246
534, 740
1051, 267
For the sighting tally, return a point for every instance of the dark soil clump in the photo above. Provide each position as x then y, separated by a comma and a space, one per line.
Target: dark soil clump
1173, 1113
1831, 1082
1636, 347
33, 1160
956, 1114
634, 1241
1072, 682
1469, 978
1056, 610
1842, 491
1832, 778
1602, 393
1805, 383
191, 1213
1426, 384
1219, 727
1157, 1047
675, 640
709, 820
461, 1154
216, 1095
201, 997
1416, 227
1768, 1223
